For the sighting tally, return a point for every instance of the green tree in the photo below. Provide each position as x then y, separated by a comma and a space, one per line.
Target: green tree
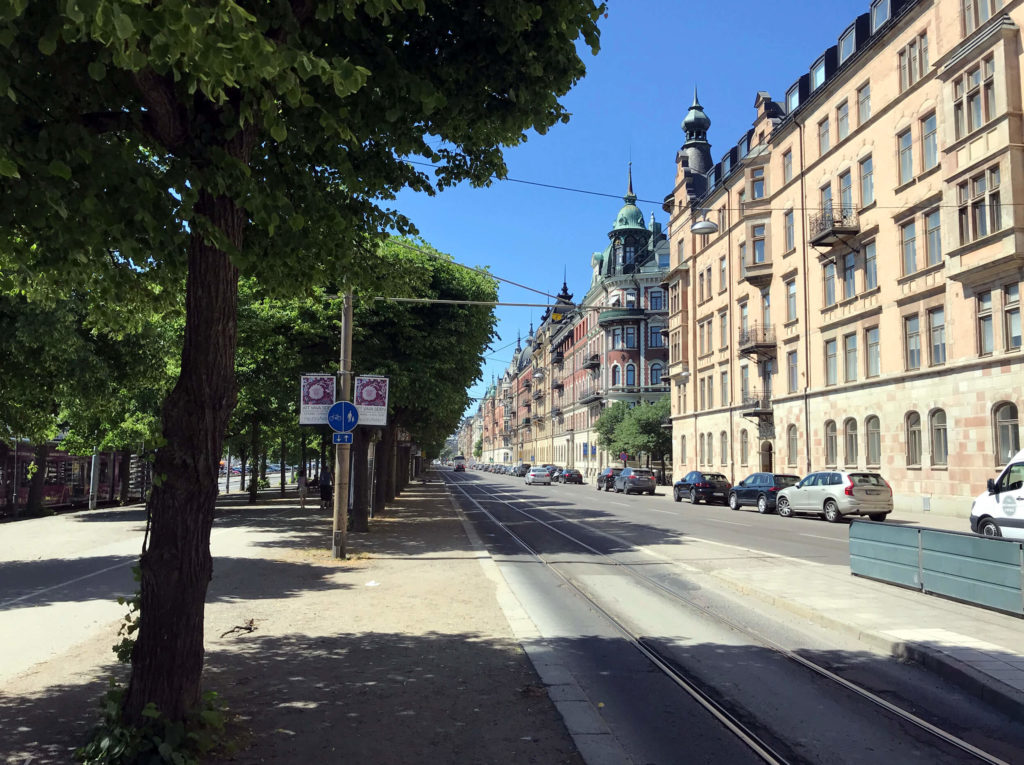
478, 447
607, 426
641, 430
145, 143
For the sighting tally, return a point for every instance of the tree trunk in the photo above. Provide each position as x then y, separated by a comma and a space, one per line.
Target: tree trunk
359, 476
393, 458
36, 488
382, 470
284, 468
254, 476
242, 468
176, 567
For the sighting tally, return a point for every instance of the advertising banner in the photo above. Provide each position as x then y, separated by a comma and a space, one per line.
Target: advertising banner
316, 397
371, 400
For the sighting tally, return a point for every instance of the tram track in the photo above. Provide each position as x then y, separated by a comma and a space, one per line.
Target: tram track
732, 719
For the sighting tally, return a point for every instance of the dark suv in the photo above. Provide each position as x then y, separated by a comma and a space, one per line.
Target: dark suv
760, 490
697, 486
606, 478
635, 479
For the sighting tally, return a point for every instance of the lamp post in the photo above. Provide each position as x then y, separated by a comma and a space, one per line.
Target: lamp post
341, 451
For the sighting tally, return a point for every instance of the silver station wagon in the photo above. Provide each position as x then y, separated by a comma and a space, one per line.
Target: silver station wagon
835, 493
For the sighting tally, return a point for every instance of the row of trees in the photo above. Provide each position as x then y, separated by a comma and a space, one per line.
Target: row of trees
160, 154
636, 430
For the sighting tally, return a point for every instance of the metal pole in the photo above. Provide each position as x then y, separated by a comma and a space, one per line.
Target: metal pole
94, 479
341, 451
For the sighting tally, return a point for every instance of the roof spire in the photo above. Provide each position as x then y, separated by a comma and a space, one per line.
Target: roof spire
630, 197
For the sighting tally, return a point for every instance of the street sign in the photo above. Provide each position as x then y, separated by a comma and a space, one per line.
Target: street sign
343, 416
342, 438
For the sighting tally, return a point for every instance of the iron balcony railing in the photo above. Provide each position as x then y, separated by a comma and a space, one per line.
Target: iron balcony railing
833, 220
755, 399
757, 335
594, 362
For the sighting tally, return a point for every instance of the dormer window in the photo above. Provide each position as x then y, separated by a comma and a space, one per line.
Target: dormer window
725, 165
879, 14
630, 253
847, 44
818, 74
630, 298
793, 98
744, 146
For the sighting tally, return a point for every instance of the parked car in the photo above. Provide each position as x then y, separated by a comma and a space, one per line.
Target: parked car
571, 475
699, 486
635, 480
999, 510
538, 475
520, 471
606, 478
835, 493
555, 471
760, 490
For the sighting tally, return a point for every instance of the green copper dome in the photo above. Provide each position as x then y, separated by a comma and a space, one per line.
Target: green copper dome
696, 122
629, 216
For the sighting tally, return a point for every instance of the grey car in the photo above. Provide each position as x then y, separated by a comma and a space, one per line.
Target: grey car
835, 493
635, 480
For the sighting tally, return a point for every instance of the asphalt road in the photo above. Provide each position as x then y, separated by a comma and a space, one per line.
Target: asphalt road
609, 572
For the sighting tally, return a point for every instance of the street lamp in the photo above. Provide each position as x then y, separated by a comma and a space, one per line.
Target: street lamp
703, 226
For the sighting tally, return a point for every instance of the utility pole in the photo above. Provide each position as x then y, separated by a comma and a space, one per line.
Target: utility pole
341, 451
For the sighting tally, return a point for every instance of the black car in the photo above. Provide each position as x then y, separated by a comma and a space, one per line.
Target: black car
571, 475
606, 478
760, 490
635, 479
697, 486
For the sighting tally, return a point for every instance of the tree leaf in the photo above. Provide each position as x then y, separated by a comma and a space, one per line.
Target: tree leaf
97, 70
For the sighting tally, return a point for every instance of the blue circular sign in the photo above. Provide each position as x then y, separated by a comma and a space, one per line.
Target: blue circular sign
343, 416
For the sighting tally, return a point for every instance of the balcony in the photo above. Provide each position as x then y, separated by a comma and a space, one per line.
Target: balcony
556, 412
557, 385
591, 397
538, 394
594, 362
557, 358
833, 225
527, 383
757, 342
613, 315
757, 275
755, 403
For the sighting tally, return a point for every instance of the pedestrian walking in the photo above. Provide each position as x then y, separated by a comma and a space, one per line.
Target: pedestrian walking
303, 488
326, 489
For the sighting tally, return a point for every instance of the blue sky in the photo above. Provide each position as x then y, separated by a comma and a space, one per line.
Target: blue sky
628, 108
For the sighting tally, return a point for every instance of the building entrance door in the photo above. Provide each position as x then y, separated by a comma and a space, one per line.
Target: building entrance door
767, 457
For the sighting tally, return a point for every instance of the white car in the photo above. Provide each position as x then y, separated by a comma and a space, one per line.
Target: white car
538, 475
999, 510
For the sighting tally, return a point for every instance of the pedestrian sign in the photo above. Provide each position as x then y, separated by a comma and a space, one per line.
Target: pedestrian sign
342, 438
343, 416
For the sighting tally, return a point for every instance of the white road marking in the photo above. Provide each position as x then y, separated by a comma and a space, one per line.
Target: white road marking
830, 539
731, 523
620, 504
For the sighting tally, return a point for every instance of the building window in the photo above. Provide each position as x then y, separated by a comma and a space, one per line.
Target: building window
850, 442
843, 120
723, 446
792, 98
906, 154
757, 183
974, 98
630, 337
850, 357
631, 298
870, 266
847, 44
616, 338
655, 374
766, 308
630, 374
830, 443
846, 193
933, 237
787, 166
879, 14
791, 300
937, 336
758, 236
979, 206
937, 434
722, 274
823, 136
723, 329
657, 300
818, 75
725, 389
744, 447
616, 375
682, 448
874, 437
657, 340
743, 258
791, 445
849, 275
977, 12
831, 362
830, 284
1011, 316
825, 195
709, 440
790, 230
792, 374
908, 246
744, 316
864, 104
929, 143
700, 447
913, 439
711, 392
744, 383
986, 341
867, 182
1007, 435
913, 61
912, 342
874, 357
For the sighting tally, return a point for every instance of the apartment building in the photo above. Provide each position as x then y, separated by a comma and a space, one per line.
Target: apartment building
846, 277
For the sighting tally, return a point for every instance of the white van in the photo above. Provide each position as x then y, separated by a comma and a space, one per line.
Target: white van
999, 510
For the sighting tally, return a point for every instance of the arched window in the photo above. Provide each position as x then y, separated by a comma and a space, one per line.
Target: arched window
874, 436
655, 374
744, 447
725, 445
913, 438
1007, 432
700, 446
711, 449
830, 443
937, 437
682, 449
630, 374
791, 444
850, 442
616, 375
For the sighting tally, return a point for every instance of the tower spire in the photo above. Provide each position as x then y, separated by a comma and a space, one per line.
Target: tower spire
630, 197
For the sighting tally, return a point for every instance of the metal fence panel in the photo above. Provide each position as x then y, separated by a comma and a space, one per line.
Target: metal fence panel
885, 551
983, 571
